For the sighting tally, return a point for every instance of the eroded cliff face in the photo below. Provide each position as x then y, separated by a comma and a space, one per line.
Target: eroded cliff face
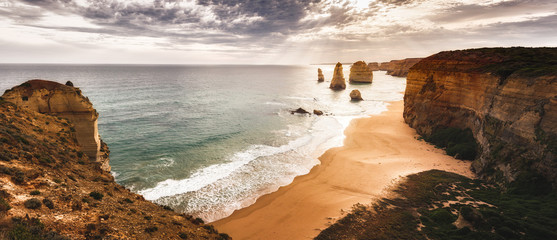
49, 189
506, 96
399, 68
66, 102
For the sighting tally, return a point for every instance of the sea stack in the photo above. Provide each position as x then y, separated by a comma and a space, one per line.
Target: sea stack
373, 66
320, 77
360, 73
338, 81
355, 95
63, 101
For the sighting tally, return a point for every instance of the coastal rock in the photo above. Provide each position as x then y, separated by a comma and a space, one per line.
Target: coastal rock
399, 68
338, 81
320, 77
373, 66
39, 158
360, 73
506, 96
317, 112
355, 95
63, 101
300, 111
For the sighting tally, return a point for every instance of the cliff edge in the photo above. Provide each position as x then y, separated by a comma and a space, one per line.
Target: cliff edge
399, 68
51, 189
506, 96
67, 102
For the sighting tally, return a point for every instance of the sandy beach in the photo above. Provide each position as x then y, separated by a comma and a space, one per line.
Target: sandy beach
377, 152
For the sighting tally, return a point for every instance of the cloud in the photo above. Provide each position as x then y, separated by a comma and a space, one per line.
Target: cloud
268, 27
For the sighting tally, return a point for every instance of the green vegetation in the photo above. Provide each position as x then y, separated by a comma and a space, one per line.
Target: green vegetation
29, 228
32, 203
48, 203
434, 200
4, 205
457, 142
35, 192
527, 62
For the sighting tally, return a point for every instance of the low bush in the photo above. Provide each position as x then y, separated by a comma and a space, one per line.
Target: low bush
48, 203
96, 195
32, 203
35, 192
459, 143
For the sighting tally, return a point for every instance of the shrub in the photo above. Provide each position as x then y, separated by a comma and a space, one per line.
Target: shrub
48, 203
69, 83
198, 221
32, 203
96, 195
183, 235
128, 200
457, 142
4, 205
151, 229
35, 192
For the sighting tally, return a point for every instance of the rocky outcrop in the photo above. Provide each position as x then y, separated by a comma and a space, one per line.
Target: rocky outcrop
338, 81
63, 101
506, 96
320, 77
50, 190
373, 66
399, 68
360, 73
317, 112
355, 95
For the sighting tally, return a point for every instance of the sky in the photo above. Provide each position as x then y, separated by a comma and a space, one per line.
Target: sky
262, 31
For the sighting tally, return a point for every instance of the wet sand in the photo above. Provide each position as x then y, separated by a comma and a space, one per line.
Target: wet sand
377, 152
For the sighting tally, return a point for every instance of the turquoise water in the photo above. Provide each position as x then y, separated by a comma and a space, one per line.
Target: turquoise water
207, 140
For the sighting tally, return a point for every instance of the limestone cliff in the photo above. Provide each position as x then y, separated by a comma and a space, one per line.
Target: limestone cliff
399, 68
506, 96
338, 81
49, 189
66, 102
373, 66
360, 73
320, 77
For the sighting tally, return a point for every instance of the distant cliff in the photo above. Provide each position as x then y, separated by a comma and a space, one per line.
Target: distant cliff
399, 68
506, 96
51, 189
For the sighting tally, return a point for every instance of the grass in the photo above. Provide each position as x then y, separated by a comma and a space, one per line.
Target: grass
459, 143
435, 199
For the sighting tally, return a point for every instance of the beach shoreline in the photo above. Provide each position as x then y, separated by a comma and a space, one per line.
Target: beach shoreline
376, 153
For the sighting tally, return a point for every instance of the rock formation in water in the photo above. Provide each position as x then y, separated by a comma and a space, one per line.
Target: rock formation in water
338, 81
317, 112
63, 101
360, 73
320, 77
506, 96
355, 95
299, 111
50, 189
373, 66
399, 68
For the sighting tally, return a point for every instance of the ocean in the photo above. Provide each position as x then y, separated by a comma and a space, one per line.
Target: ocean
210, 139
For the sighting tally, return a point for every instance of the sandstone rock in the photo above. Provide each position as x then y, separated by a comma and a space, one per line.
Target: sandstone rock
512, 113
338, 81
320, 77
317, 112
63, 101
360, 73
399, 68
355, 95
373, 66
300, 111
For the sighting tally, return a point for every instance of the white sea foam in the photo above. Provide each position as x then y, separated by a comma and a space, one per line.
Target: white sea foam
213, 173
